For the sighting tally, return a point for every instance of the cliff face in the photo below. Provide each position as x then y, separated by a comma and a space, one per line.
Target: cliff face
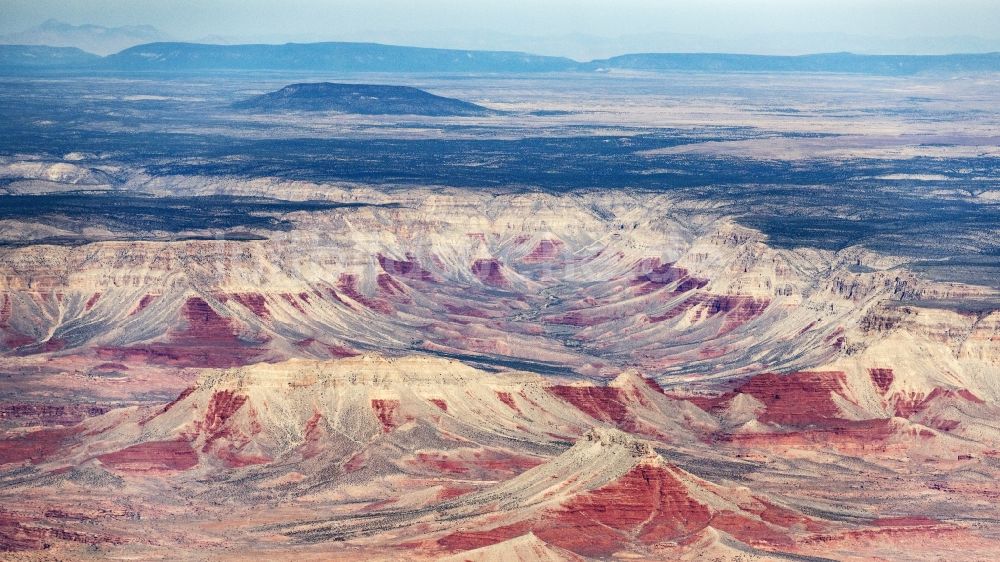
412, 413
583, 283
419, 372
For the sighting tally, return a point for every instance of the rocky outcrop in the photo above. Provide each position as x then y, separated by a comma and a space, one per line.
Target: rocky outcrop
516, 277
614, 488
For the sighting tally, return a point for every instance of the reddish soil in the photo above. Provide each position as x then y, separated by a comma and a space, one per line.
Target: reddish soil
19, 533
348, 284
50, 414
390, 286
409, 268
463, 310
290, 299
449, 492
707, 403
881, 378
234, 459
35, 447
315, 434
355, 463
152, 456
184, 394
647, 503
207, 340
544, 251
909, 521
11, 338
907, 407
599, 402
490, 272
578, 318
843, 434
254, 302
682, 307
333, 295
738, 310
667, 274
224, 404
481, 464
340, 351
749, 530
651, 383
110, 367
145, 301
387, 412
507, 399
468, 540
797, 399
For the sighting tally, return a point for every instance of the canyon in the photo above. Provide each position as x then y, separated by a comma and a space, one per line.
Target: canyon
599, 320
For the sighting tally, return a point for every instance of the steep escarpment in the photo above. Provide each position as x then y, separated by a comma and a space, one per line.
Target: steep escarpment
431, 453
615, 488
556, 285
349, 412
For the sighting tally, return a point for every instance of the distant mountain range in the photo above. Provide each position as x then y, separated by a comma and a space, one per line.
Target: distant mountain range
365, 99
92, 38
341, 57
589, 46
829, 62
27, 57
373, 57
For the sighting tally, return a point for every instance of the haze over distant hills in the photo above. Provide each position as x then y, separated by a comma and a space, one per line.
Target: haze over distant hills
827, 62
88, 37
578, 45
588, 46
350, 57
26, 57
374, 57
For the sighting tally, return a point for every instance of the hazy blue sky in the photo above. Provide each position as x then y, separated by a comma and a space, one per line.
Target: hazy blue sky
747, 25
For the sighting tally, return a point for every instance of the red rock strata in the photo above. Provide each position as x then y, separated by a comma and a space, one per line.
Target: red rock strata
387, 412
36, 446
544, 251
801, 398
207, 340
489, 272
152, 456
599, 402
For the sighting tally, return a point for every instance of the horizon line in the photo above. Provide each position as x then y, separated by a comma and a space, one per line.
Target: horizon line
507, 51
